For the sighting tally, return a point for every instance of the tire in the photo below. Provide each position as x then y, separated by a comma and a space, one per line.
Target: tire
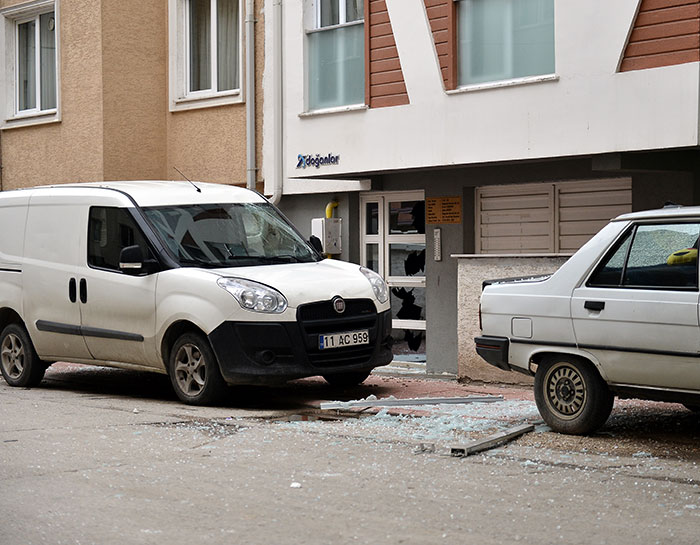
571, 395
194, 371
19, 364
347, 380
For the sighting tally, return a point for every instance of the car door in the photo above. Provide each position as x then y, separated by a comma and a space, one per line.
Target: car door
638, 311
117, 309
52, 313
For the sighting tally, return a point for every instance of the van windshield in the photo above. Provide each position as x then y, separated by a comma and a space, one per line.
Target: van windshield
228, 235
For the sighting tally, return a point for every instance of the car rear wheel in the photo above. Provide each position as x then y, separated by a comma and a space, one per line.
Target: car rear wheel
19, 363
346, 380
194, 370
571, 396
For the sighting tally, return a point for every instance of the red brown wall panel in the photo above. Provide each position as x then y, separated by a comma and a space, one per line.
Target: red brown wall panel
665, 32
385, 84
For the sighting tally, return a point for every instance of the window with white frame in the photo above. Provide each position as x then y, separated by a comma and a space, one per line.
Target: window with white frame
504, 39
30, 63
206, 38
336, 74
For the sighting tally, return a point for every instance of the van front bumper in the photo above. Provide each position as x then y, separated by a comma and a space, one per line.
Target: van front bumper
272, 352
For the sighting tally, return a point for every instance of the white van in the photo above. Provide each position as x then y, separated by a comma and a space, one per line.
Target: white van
205, 282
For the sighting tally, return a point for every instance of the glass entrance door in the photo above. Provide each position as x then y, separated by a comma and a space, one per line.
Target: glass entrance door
393, 244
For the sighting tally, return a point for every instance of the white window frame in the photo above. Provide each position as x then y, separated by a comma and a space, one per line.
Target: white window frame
9, 93
181, 98
342, 17
315, 28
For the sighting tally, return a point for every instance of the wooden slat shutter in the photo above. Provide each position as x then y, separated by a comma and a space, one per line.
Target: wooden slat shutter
548, 217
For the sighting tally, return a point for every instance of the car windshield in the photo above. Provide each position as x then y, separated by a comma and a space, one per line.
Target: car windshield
228, 235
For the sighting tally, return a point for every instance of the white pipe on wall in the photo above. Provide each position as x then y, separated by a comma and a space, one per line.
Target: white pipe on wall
251, 166
278, 145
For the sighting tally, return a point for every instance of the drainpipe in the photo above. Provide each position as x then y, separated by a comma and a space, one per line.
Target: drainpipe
251, 167
278, 150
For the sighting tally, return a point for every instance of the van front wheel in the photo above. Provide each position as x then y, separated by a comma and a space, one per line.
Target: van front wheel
571, 396
194, 371
19, 363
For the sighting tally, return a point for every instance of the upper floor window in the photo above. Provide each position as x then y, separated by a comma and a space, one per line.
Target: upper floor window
504, 39
212, 30
36, 63
205, 36
29, 36
337, 54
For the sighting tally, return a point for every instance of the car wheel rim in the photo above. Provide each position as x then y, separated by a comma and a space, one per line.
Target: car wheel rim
190, 369
565, 391
12, 356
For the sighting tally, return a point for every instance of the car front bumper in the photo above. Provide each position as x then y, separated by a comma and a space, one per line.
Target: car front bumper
273, 352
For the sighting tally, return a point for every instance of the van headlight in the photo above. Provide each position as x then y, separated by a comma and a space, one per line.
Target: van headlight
381, 290
254, 296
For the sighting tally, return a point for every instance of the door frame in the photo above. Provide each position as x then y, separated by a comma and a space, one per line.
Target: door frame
383, 239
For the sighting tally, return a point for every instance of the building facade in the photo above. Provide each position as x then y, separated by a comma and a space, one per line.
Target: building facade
476, 127
432, 128
125, 89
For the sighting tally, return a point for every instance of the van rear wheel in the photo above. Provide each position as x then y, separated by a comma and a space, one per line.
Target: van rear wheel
194, 370
19, 363
571, 396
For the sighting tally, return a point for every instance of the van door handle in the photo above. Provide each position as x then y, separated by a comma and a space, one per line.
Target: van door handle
594, 305
83, 290
72, 290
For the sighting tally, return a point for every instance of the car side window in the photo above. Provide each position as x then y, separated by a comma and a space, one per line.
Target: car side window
660, 256
109, 231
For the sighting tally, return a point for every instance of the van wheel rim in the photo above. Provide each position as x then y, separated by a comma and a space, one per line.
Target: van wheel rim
565, 391
12, 356
190, 369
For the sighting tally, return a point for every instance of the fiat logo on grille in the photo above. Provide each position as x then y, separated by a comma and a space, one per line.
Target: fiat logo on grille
338, 304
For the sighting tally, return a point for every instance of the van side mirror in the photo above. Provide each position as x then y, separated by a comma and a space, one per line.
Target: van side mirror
316, 243
131, 259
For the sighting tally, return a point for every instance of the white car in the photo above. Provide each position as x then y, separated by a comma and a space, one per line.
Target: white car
620, 317
207, 283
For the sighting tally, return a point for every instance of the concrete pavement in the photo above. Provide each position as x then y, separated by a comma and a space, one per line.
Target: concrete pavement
103, 456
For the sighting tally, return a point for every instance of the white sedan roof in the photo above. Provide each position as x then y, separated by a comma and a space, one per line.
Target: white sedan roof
670, 212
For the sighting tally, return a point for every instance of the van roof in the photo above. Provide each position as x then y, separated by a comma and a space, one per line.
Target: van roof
670, 212
169, 192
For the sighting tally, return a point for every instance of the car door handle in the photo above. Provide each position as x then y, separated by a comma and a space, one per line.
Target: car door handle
594, 305
83, 290
72, 290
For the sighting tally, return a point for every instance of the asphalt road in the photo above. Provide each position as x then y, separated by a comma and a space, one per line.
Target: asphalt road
110, 457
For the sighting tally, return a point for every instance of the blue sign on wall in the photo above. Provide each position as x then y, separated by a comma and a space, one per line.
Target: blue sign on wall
318, 161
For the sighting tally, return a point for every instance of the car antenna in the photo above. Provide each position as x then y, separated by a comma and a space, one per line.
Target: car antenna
186, 178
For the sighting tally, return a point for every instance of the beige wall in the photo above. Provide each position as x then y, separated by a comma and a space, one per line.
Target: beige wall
134, 59
472, 271
70, 150
115, 122
209, 144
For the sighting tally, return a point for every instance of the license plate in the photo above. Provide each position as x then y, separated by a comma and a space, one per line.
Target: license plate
341, 340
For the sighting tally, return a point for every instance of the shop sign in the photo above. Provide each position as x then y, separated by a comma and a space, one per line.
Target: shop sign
443, 210
318, 160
